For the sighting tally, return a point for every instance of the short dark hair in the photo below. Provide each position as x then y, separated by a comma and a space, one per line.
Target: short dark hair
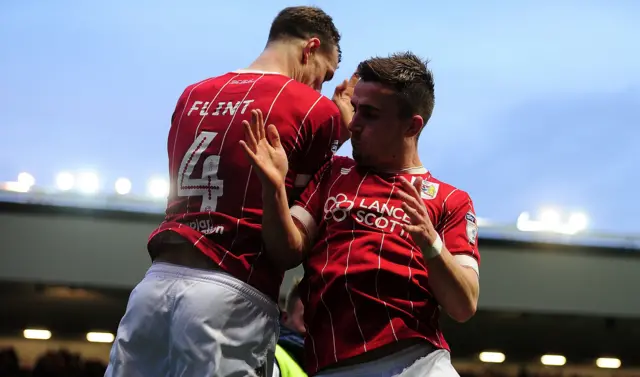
293, 296
409, 76
306, 22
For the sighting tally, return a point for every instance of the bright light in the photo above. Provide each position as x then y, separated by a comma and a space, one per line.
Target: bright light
492, 357
123, 186
608, 363
578, 221
65, 181
36, 334
88, 182
555, 360
158, 188
550, 218
26, 180
100, 337
523, 222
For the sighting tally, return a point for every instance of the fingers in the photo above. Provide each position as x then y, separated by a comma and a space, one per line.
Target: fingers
411, 229
411, 189
249, 153
273, 136
417, 184
249, 135
257, 124
340, 88
260, 121
354, 79
411, 201
415, 216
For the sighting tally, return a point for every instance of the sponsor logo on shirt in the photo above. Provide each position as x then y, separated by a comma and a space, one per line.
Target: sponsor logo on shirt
429, 190
334, 146
381, 215
472, 227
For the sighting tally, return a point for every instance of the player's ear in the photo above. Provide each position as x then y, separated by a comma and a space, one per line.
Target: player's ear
415, 125
310, 47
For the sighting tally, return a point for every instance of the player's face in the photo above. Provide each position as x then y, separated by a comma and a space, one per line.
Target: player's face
320, 68
378, 133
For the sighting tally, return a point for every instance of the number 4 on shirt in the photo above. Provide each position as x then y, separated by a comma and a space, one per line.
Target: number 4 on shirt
208, 186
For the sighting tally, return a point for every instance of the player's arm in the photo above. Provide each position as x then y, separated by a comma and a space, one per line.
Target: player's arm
288, 233
452, 260
285, 240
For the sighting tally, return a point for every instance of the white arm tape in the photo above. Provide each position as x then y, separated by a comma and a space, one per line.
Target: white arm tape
468, 261
306, 219
435, 249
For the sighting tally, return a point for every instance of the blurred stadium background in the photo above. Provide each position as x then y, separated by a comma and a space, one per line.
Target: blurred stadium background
558, 299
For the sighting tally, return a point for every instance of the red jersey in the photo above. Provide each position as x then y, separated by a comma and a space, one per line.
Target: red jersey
366, 279
215, 199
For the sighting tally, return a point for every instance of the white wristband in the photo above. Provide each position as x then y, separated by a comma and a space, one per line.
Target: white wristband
434, 250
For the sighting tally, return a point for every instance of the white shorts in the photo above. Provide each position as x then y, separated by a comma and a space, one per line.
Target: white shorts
194, 323
415, 361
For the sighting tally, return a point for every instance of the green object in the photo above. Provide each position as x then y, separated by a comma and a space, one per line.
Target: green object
288, 366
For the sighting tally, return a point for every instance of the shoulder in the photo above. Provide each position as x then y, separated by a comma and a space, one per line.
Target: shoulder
205, 83
342, 163
314, 104
449, 195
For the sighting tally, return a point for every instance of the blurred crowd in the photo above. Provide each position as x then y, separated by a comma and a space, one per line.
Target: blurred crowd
62, 363
52, 364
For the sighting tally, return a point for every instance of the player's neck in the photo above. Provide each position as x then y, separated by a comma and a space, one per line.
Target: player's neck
274, 58
402, 162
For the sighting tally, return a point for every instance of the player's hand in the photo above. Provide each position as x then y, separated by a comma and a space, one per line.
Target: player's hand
421, 229
342, 98
264, 150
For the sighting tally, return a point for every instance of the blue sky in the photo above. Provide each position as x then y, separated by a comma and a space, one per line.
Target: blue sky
537, 102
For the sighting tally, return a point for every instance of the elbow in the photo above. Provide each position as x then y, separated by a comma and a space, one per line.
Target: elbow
464, 312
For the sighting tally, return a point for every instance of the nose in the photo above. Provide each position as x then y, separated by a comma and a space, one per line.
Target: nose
355, 125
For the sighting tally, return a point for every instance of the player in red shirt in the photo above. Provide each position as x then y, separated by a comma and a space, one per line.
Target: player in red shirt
207, 306
385, 244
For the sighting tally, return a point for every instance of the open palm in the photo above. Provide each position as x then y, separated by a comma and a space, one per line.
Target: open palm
264, 150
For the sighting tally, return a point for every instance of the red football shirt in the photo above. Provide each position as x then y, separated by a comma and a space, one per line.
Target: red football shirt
366, 279
215, 199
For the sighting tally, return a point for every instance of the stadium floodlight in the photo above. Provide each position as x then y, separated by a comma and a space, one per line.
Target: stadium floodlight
88, 182
40, 334
550, 219
492, 357
578, 222
608, 363
123, 186
158, 188
26, 180
100, 337
65, 181
553, 360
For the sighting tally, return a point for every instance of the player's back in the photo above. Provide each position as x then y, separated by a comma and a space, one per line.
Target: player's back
215, 199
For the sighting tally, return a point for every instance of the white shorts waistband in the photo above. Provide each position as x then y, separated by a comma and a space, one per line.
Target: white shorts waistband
216, 277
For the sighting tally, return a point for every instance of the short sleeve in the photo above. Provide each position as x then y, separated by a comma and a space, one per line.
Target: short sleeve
459, 230
321, 132
308, 209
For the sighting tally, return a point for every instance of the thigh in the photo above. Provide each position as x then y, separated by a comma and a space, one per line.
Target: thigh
218, 330
435, 364
142, 341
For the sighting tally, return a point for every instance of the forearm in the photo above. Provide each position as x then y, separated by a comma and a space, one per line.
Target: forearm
455, 287
284, 242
